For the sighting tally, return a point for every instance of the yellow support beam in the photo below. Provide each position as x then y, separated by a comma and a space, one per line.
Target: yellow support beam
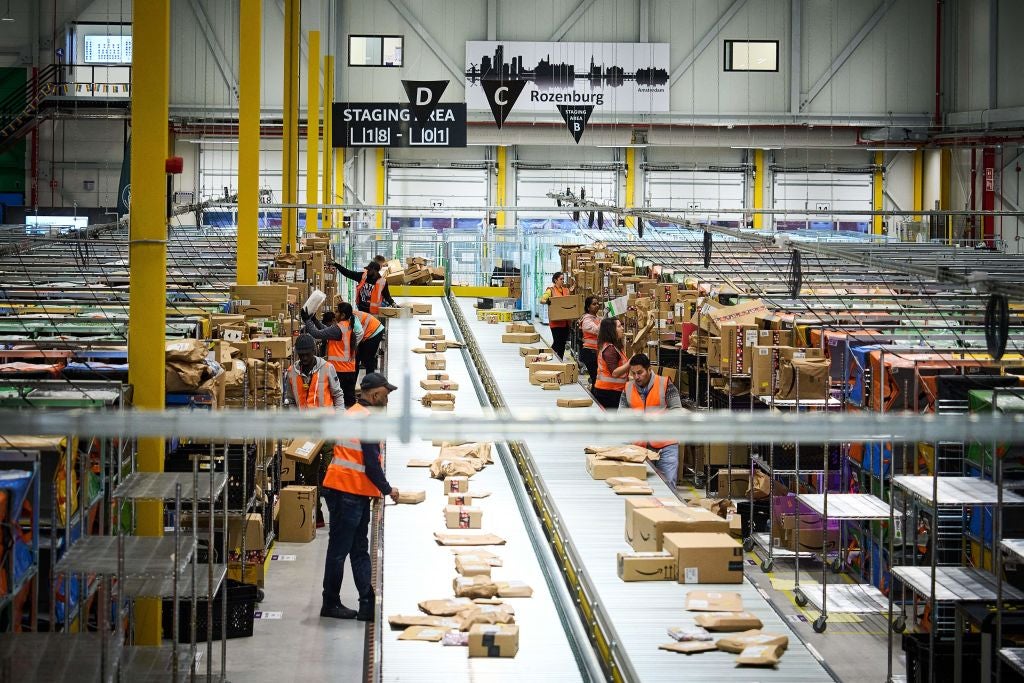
313, 130
250, 21
328, 162
290, 133
339, 182
918, 182
877, 178
501, 193
147, 253
381, 180
631, 171
758, 187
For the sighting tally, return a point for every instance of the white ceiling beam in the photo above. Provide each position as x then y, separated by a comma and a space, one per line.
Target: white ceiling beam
571, 20
429, 40
682, 67
848, 50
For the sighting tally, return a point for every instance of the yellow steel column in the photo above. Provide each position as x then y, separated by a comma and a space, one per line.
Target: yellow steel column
918, 182
313, 130
147, 253
758, 187
290, 133
876, 191
328, 164
945, 188
500, 195
381, 179
250, 20
630, 182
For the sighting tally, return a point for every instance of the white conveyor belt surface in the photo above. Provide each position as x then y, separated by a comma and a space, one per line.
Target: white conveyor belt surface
416, 568
594, 518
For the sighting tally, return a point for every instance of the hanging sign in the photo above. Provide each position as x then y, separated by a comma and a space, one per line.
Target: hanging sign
380, 124
576, 117
501, 97
628, 78
423, 97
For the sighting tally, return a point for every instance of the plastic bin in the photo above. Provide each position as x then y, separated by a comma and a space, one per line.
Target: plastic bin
241, 614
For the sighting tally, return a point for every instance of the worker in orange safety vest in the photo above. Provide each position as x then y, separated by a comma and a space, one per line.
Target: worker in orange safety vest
651, 393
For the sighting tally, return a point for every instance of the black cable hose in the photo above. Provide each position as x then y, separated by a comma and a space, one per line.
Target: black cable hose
997, 325
640, 227
707, 248
796, 275
600, 220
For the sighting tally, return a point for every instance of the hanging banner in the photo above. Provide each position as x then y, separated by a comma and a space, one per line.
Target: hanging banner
382, 124
124, 184
613, 77
576, 118
423, 97
501, 97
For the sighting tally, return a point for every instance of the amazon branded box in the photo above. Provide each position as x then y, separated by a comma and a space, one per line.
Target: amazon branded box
303, 450
634, 504
297, 520
652, 524
565, 307
652, 566
520, 338
706, 557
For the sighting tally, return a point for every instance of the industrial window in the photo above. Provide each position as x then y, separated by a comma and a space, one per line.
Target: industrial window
375, 50
751, 55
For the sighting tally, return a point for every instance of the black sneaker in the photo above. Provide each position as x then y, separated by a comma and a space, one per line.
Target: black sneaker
365, 612
339, 612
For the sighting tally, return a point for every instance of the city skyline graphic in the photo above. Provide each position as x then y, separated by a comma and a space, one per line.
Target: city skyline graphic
547, 75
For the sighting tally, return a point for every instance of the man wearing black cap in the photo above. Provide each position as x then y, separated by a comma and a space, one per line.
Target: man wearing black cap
354, 478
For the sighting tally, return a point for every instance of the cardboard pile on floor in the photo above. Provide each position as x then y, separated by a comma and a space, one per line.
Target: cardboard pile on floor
723, 612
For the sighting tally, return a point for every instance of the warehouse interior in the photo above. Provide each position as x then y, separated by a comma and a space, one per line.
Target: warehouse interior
688, 336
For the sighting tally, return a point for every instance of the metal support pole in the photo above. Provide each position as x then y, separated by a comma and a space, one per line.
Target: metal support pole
328, 160
313, 130
758, 198
250, 20
290, 131
147, 249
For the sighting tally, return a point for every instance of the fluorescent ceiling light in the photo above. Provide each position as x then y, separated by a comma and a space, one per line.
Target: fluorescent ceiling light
753, 147
211, 141
892, 149
615, 146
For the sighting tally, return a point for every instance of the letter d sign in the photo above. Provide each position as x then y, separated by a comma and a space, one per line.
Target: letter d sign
423, 97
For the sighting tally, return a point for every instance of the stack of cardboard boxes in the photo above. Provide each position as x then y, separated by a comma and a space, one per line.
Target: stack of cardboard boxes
416, 271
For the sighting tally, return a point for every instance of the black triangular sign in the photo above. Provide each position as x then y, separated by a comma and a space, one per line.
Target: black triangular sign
423, 97
576, 117
502, 96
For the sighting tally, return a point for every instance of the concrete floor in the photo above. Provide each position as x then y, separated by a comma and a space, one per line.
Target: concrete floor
300, 644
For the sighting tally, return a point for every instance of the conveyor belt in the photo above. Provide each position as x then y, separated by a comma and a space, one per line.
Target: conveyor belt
590, 518
416, 568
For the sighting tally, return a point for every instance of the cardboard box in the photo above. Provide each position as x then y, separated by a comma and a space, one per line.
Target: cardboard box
634, 504
653, 566
303, 450
463, 498
737, 342
565, 307
775, 337
706, 557
520, 338
280, 348
422, 309
520, 327
802, 377
297, 521
493, 640
430, 333
601, 469
461, 517
395, 312
713, 601
525, 351
574, 402
652, 524
734, 483
411, 497
442, 406
472, 565
288, 473
438, 385
435, 361
562, 373
456, 485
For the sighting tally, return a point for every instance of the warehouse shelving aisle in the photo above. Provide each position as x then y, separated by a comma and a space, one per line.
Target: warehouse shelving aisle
416, 568
592, 518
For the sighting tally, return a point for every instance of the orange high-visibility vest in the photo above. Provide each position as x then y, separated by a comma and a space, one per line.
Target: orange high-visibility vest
376, 294
346, 472
340, 353
369, 323
605, 380
590, 326
314, 395
655, 403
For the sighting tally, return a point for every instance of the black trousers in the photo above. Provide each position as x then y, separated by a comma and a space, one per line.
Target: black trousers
348, 386
559, 336
366, 356
608, 399
589, 358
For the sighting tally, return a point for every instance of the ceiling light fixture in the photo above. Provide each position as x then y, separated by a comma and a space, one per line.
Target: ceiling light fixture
7, 15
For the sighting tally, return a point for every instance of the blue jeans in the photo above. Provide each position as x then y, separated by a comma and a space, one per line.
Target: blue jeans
348, 537
668, 464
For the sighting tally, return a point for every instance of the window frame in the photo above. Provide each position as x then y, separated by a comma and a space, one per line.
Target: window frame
381, 36
727, 65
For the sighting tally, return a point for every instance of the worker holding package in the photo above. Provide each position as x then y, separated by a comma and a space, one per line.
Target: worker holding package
651, 393
559, 328
342, 342
354, 479
372, 289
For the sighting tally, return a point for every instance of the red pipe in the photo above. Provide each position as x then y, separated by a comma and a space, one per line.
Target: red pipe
974, 190
988, 194
938, 63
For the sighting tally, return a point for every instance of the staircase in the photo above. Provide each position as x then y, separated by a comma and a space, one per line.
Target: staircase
19, 111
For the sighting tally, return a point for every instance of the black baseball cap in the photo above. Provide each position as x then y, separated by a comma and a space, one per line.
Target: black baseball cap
305, 342
375, 379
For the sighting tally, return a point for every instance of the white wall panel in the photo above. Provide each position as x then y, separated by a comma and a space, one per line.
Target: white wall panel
799, 192
446, 187
699, 193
